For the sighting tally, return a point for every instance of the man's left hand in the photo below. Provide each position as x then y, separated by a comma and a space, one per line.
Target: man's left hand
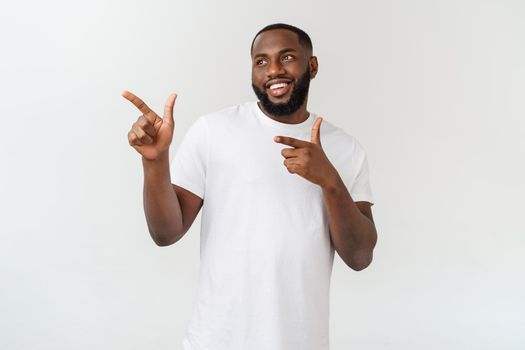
308, 159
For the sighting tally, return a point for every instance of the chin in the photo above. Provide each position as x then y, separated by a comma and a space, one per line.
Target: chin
280, 102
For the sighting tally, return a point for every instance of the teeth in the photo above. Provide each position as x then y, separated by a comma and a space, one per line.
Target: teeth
278, 86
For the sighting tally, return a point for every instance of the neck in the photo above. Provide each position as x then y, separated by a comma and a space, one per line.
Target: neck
297, 117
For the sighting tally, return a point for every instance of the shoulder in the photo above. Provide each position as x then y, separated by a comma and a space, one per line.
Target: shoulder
340, 140
228, 114
226, 122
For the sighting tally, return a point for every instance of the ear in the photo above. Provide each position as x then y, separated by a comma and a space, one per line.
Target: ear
314, 66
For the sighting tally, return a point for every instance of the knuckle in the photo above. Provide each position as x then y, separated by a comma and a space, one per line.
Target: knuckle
144, 122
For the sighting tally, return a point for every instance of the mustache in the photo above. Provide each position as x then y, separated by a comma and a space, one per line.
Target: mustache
297, 98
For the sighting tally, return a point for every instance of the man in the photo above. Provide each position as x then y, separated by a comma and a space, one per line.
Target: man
272, 216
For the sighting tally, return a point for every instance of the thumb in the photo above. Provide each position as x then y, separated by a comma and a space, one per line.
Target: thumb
168, 109
316, 131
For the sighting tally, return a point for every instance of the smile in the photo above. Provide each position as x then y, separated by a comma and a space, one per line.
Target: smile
279, 89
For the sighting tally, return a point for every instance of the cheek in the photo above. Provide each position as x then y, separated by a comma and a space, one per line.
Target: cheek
299, 71
257, 78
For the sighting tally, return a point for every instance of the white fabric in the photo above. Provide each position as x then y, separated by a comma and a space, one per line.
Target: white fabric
266, 254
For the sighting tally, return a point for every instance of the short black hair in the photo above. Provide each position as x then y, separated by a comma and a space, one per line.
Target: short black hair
304, 39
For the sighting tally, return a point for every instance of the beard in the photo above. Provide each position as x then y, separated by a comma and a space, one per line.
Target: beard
296, 100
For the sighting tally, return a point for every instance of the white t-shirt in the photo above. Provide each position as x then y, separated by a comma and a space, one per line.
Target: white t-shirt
266, 254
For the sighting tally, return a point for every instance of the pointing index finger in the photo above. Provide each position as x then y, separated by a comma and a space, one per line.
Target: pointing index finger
143, 107
290, 141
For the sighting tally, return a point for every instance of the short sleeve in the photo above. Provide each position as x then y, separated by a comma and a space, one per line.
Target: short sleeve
188, 168
361, 190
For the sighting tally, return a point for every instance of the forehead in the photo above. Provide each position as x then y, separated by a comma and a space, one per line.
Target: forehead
275, 40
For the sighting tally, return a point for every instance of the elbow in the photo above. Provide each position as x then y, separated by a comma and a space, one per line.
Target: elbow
162, 242
165, 239
360, 266
164, 235
364, 256
361, 261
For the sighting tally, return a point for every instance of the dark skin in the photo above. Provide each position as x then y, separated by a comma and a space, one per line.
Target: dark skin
277, 55
170, 210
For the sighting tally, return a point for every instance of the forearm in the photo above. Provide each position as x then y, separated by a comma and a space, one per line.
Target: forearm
353, 234
161, 205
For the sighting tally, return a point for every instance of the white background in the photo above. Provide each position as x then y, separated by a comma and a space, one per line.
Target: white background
434, 91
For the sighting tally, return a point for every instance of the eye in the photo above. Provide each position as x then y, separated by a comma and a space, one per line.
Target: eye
259, 62
288, 57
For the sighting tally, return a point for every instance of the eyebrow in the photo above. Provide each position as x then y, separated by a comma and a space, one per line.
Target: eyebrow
288, 49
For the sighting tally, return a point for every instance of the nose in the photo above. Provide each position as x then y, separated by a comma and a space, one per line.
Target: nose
275, 68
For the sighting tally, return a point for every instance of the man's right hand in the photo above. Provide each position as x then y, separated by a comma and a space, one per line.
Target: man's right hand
151, 135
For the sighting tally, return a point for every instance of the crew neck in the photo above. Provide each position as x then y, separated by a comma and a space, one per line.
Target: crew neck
306, 124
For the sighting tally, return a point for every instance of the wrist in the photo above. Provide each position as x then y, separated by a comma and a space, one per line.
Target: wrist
161, 162
161, 157
332, 182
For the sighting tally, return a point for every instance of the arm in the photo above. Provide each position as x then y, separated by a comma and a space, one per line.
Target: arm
170, 210
352, 228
